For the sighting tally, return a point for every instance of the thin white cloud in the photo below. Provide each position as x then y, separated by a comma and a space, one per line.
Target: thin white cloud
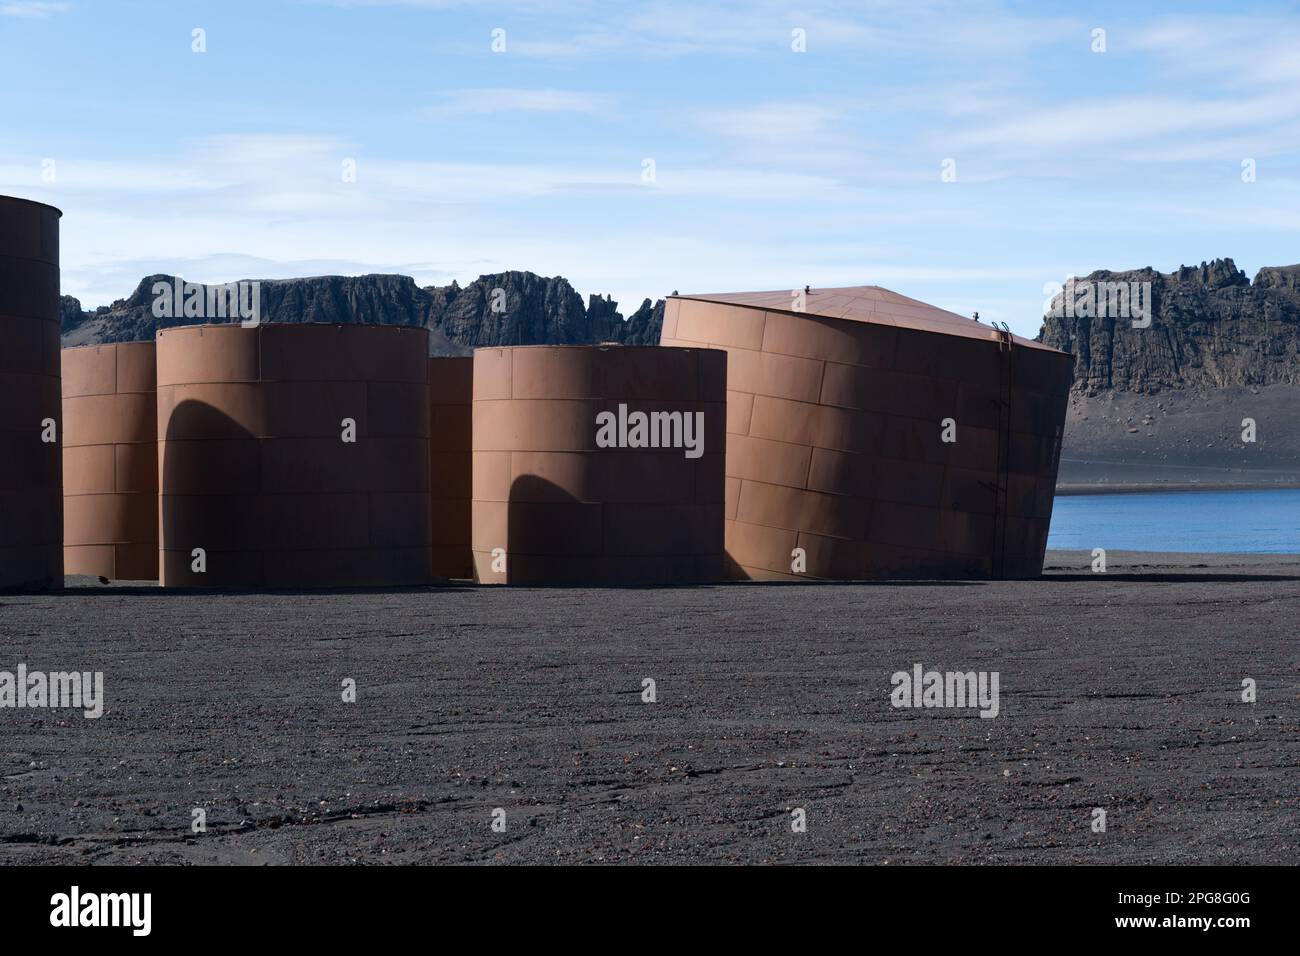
1104, 122
781, 121
1240, 51
551, 6
266, 149
499, 182
31, 9
487, 100
570, 30
76, 174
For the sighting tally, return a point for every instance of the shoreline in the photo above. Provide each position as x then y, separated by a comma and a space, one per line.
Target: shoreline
1147, 487
1117, 559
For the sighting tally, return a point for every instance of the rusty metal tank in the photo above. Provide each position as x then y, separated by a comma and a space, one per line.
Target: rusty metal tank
293, 456
870, 435
584, 472
110, 461
451, 397
31, 427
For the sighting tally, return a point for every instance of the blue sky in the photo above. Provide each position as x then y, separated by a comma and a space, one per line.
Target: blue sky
772, 168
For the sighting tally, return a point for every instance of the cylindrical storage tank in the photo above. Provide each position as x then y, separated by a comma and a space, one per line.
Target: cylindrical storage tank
293, 456
870, 435
598, 465
451, 397
31, 421
110, 461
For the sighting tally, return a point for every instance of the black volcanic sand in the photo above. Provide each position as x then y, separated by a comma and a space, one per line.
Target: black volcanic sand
1119, 691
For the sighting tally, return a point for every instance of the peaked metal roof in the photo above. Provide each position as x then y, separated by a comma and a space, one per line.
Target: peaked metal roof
866, 303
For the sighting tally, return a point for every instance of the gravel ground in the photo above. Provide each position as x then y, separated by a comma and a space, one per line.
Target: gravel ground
1120, 691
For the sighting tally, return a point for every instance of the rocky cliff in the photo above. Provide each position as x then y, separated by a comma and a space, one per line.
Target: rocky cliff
1203, 395
510, 308
1210, 326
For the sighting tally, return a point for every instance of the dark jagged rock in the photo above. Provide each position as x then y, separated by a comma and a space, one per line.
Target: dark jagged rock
1210, 327
1278, 277
345, 300
71, 315
1168, 405
644, 325
603, 314
509, 308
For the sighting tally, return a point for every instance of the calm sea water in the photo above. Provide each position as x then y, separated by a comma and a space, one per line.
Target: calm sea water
1210, 521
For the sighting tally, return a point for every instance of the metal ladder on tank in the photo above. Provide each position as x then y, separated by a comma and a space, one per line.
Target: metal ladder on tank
1002, 484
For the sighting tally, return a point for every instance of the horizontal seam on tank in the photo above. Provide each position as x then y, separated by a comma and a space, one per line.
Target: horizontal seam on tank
41, 259
887, 544
296, 381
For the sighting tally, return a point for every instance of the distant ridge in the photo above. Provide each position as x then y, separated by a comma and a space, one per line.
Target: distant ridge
534, 310
1166, 406
1211, 327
